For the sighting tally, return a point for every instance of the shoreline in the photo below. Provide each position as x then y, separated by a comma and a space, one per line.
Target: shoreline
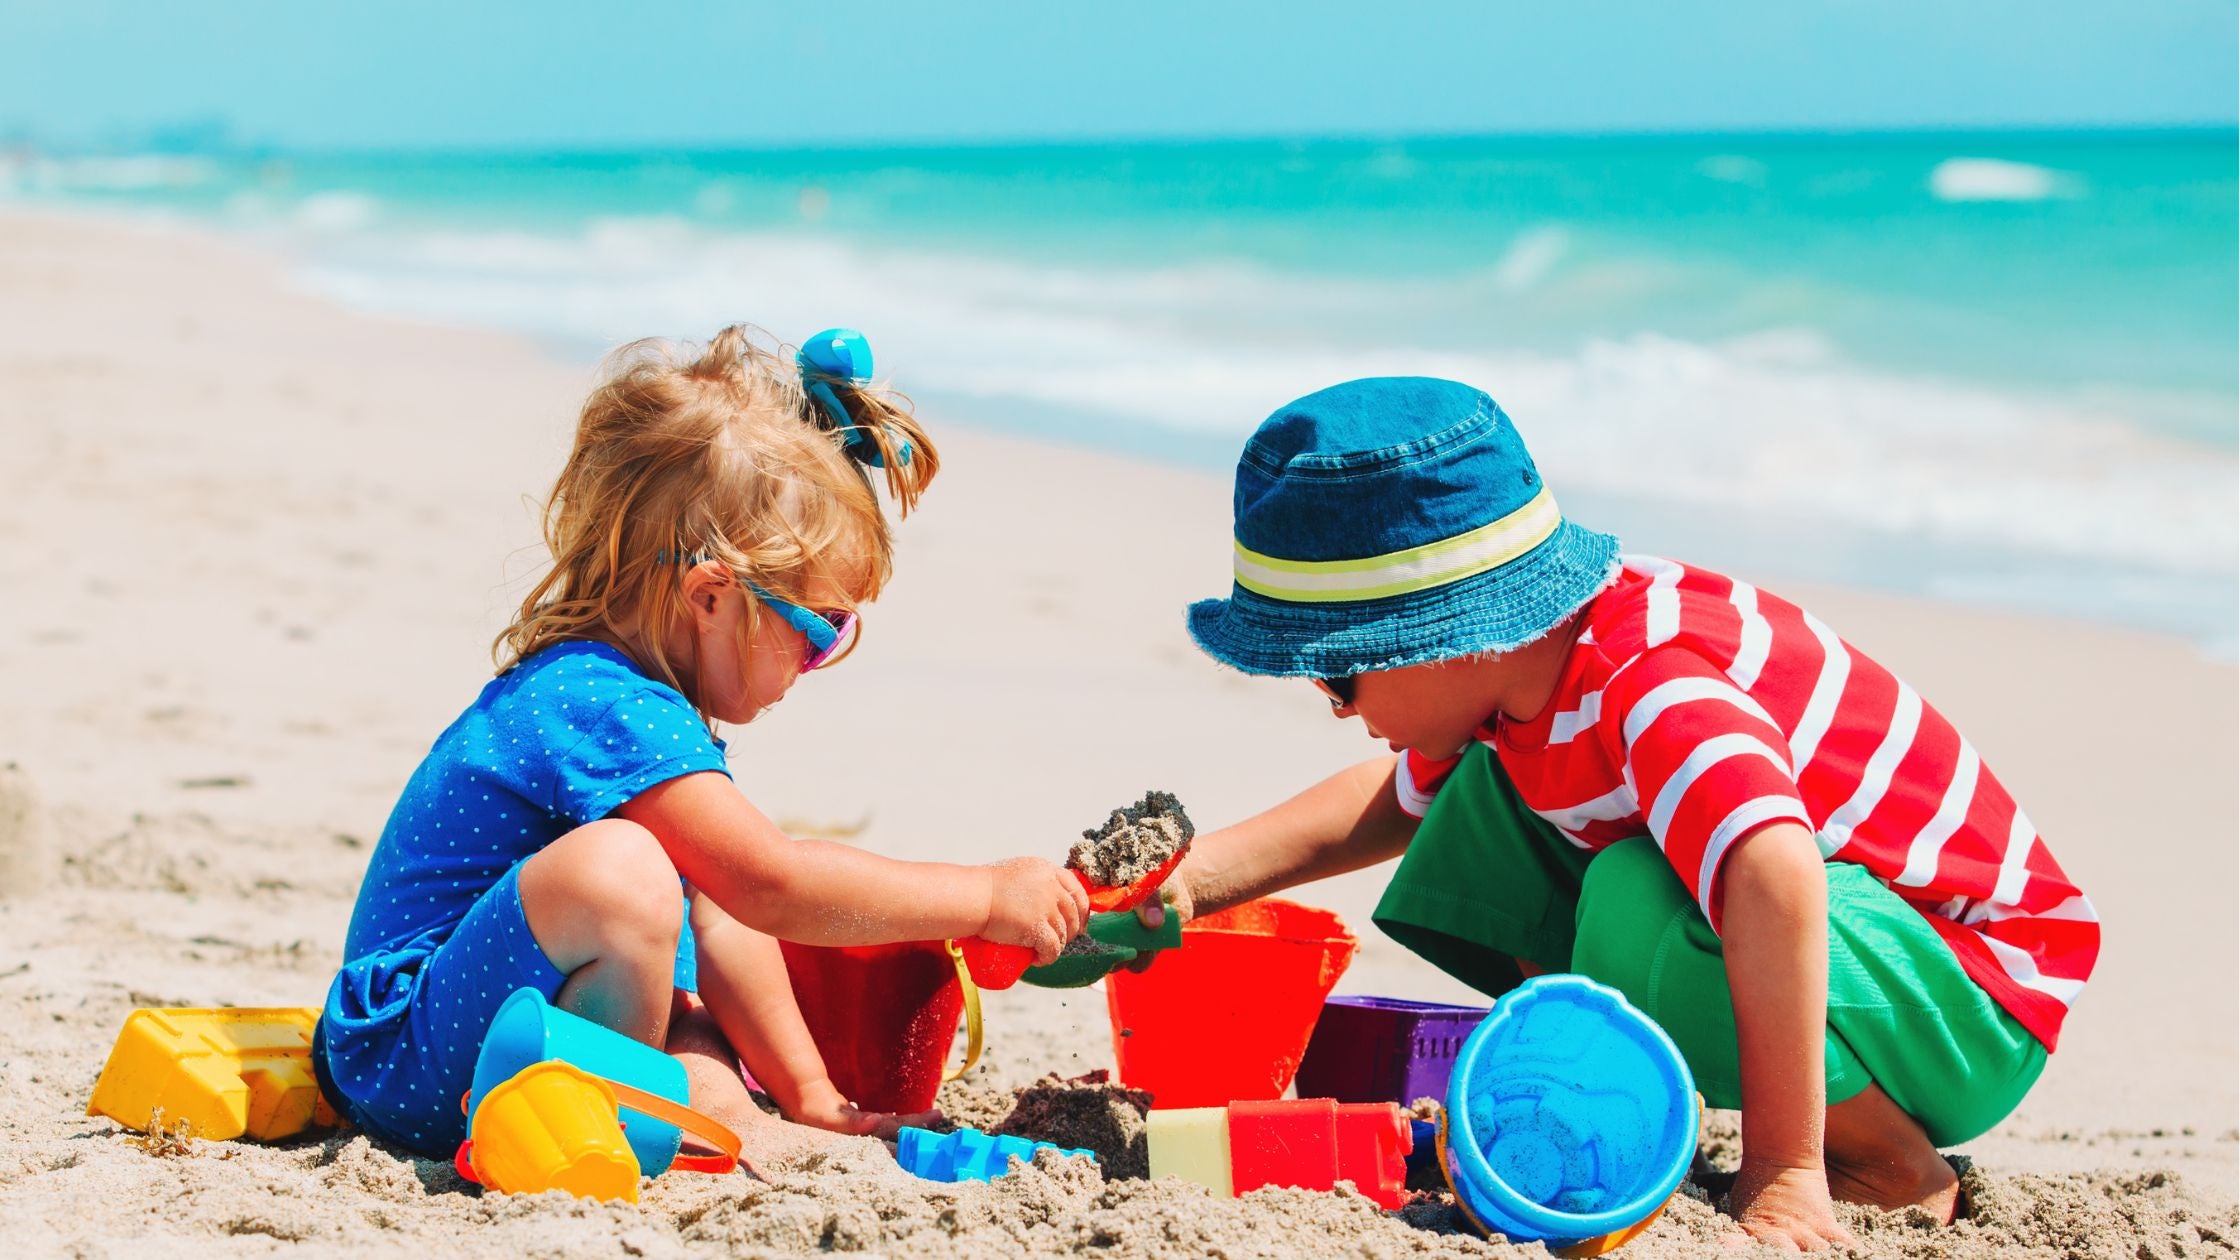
256, 547
1851, 464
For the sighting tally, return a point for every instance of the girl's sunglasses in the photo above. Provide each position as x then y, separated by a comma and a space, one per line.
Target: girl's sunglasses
827, 632
1339, 689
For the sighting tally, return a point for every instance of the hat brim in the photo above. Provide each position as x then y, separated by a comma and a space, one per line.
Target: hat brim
1494, 611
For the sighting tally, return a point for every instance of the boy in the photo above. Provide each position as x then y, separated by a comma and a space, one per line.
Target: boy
1652, 775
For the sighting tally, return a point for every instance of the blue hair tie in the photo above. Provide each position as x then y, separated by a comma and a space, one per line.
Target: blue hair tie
844, 354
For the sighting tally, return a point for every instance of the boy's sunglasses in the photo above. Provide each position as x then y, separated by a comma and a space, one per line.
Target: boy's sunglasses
827, 632
1339, 689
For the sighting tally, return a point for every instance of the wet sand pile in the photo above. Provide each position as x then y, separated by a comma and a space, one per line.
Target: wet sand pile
1134, 841
1091, 1112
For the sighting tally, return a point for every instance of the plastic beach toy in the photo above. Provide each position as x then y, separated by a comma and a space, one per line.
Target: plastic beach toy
1312, 1143
967, 1154
649, 1085
883, 1016
1120, 938
225, 1073
553, 1126
996, 966
1227, 1016
1374, 1049
1570, 1118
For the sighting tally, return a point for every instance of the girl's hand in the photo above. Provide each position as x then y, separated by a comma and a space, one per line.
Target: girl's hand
1032, 903
822, 1107
1785, 1207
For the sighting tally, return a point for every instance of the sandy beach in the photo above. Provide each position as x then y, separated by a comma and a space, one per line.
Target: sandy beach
253, 549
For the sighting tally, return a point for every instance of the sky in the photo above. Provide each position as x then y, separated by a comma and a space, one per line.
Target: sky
416, 74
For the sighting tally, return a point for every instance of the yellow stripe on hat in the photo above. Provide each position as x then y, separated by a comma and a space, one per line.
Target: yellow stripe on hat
1436, 564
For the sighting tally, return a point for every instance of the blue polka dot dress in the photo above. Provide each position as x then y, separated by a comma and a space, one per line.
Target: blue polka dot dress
438, 938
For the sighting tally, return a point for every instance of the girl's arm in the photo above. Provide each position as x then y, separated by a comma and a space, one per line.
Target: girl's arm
743, 979
820, 893
1774, 928
1348, 821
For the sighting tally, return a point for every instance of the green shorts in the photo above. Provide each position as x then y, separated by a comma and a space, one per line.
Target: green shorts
1486, 881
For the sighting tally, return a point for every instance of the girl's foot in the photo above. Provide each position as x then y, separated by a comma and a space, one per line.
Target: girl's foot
1879, 1156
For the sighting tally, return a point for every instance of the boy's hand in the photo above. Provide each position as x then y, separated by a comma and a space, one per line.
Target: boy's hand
1786, 1208
1032, 903
1173, 898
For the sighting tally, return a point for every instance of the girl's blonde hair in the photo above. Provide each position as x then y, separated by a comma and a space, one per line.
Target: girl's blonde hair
684, 454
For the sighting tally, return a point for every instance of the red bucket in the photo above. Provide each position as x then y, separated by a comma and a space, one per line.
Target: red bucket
1227, 1017
883, 1017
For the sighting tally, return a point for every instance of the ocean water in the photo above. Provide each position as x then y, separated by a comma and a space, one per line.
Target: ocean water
2000, 368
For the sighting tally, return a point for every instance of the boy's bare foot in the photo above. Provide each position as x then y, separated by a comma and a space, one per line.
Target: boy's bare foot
1879, 1156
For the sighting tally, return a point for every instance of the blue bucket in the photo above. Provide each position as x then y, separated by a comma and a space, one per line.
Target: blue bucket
529, 1030
1571, 1117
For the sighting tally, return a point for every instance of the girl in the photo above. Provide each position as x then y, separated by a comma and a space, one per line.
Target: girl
713, 533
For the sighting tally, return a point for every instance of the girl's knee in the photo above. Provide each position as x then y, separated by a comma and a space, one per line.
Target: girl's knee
614, 878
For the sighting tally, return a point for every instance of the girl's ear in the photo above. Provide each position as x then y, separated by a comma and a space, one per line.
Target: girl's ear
705, 585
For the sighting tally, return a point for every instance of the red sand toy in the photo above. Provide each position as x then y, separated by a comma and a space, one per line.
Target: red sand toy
1228, 1016
1311, 1143
996, 966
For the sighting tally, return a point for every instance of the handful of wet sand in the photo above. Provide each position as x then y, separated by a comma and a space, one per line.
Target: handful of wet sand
1134, 842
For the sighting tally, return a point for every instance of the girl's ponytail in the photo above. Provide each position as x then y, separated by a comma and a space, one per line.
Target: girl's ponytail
873, 423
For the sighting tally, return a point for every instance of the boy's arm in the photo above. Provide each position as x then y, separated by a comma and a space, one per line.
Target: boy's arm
820, 893
1774, 914
1350, 820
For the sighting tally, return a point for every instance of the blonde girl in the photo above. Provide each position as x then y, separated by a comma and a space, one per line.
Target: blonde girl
714, 533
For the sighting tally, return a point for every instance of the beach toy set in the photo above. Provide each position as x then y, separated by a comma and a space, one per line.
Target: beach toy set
224, 1073
561, 1103
1311, 1143
1569, 1117
966, 1154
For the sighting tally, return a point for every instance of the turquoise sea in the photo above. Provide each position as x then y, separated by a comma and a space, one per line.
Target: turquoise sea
1997, 367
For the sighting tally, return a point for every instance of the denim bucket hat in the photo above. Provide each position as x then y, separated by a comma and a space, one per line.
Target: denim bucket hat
1393, 521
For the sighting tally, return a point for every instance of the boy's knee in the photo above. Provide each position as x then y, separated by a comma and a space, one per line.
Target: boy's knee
1627, 899
616, 873
1627, 878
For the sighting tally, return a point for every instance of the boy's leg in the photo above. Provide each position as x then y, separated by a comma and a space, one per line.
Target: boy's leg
1917, 1054
1487, 891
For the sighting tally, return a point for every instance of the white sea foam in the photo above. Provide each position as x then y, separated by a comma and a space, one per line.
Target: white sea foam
1530, 258
1733, 168
1995, 179
1779, 421
145, 173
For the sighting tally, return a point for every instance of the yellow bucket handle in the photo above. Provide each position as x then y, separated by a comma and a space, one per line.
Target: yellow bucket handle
972, 1028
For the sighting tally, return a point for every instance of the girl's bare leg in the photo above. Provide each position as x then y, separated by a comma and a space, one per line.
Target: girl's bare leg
604, 903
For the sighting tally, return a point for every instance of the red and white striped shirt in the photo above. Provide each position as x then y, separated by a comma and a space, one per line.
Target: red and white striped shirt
1695, 708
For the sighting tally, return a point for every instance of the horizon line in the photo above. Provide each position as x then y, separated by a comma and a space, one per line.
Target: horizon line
154, 145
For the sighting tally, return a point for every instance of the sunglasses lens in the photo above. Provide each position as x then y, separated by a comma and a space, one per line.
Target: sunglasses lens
1340, 690
843, 629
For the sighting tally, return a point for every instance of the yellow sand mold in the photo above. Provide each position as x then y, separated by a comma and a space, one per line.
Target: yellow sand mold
225, 1073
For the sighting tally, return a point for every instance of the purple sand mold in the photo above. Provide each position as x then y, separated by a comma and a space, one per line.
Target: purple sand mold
1372, 1049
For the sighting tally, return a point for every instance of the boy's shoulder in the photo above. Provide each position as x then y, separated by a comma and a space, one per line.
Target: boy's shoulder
1654, 602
